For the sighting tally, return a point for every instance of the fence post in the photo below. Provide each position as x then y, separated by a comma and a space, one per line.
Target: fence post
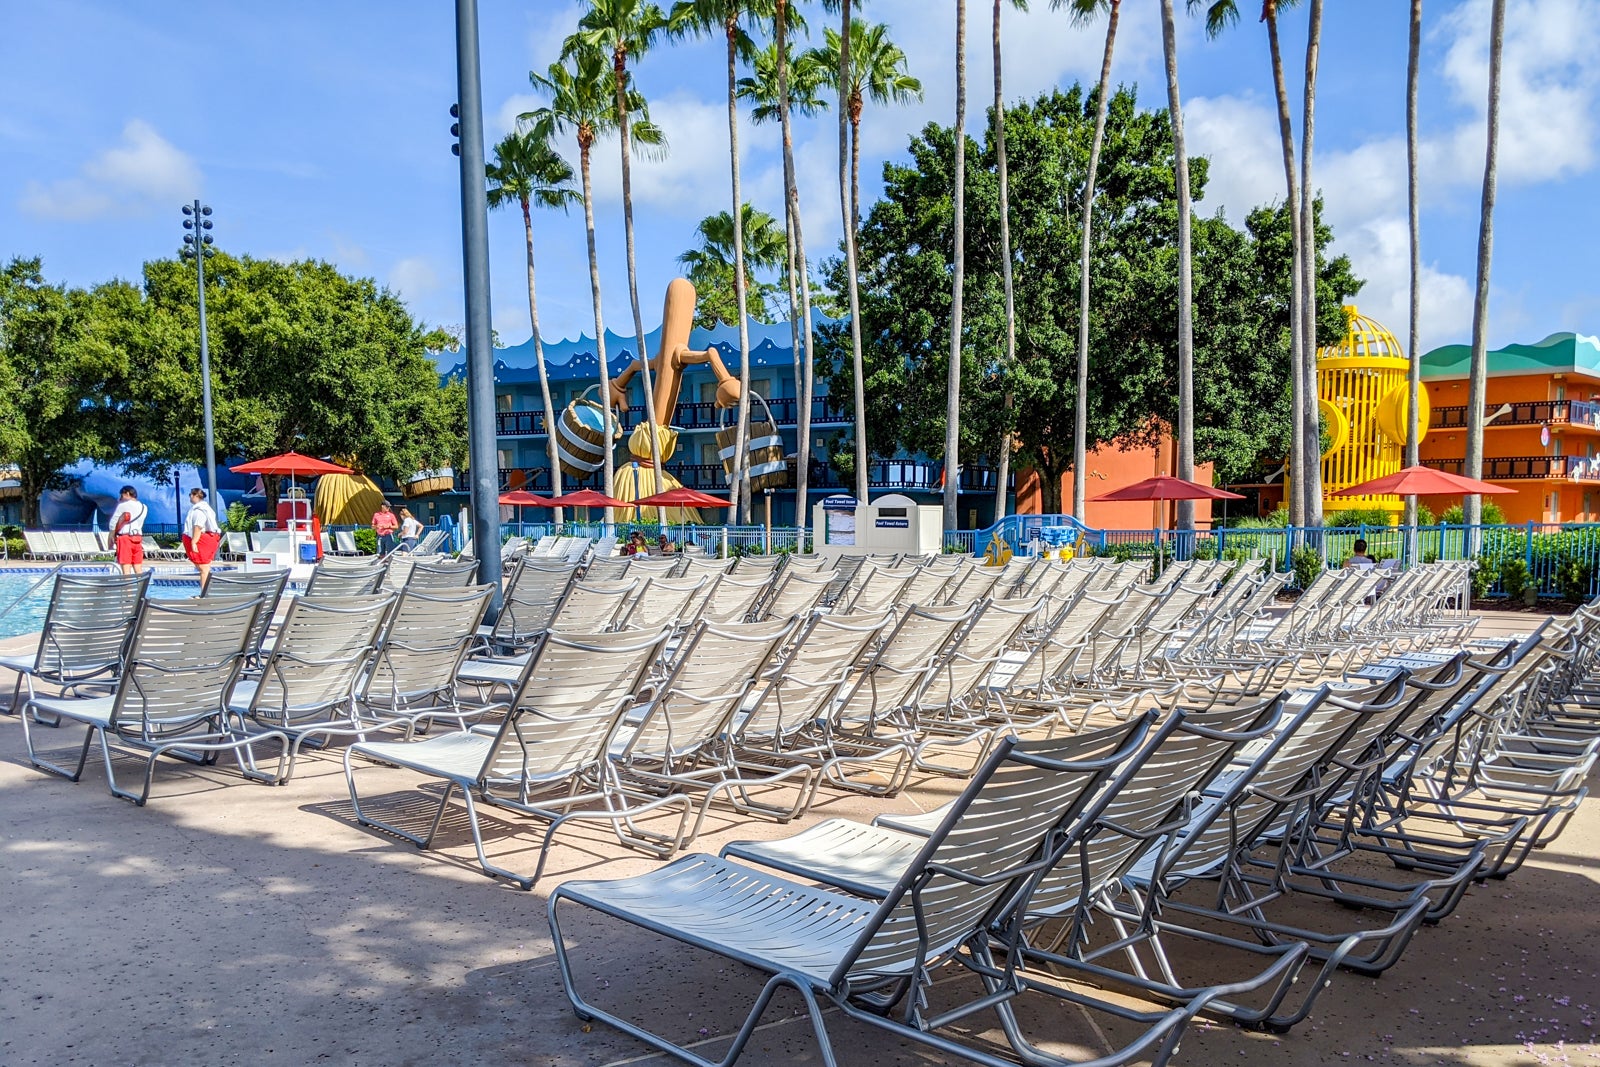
1528, 553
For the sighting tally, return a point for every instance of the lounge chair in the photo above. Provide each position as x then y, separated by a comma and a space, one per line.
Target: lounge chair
345, 578
413, 675
183, 658
444, 574
875, 960
85, 632
268, 585
543, 758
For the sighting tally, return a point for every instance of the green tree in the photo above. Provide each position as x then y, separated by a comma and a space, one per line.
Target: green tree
527, 170
302, 357
57, 379
710, 266
583, 102
626, 29
1244, 276
1185, 295
732, 20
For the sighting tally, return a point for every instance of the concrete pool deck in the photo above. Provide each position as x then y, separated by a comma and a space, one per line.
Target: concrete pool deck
229, 922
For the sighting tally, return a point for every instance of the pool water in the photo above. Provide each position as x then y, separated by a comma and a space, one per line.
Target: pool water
28, 616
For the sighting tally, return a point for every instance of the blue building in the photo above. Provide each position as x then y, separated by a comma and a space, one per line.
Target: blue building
573, 368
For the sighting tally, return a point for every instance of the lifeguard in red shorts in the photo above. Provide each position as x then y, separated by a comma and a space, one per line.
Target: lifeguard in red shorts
127, 530
201, 534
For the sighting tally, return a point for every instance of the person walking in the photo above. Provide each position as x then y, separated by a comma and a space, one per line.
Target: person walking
410, 530
384, 525
127, 530
201, 534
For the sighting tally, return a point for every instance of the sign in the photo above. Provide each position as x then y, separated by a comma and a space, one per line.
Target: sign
892, 524
839, 502
1544, 435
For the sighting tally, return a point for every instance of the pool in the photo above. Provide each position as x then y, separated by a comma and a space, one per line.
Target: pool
28, 616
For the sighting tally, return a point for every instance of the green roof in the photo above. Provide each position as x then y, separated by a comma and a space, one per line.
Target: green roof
1571, 353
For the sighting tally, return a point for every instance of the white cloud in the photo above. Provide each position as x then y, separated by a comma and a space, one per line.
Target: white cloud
413, 278
142, 171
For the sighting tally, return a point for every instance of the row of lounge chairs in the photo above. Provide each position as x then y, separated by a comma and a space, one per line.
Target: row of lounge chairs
83, 545
1148, 765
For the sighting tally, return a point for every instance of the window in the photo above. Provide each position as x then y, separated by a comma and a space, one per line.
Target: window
502, 401
1561, 392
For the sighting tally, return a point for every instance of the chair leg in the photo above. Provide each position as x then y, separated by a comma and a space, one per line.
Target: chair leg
45, 765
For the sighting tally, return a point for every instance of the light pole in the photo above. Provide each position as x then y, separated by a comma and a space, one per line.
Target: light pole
198, 244
481, 443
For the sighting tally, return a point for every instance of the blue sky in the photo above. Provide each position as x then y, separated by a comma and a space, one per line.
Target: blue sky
318, 129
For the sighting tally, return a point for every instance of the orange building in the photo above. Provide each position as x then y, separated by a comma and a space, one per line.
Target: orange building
1543, 432
1112, 468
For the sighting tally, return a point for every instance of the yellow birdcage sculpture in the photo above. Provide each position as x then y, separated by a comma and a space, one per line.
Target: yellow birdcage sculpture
1363, 400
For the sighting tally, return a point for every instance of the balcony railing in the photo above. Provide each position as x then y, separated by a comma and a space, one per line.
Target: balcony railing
1584, 413
696, 415
1534, 468
902, 475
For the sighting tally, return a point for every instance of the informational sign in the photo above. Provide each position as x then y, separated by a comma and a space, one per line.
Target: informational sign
892, 524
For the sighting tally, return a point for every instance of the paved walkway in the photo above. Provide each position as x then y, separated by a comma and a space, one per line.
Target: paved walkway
230, 922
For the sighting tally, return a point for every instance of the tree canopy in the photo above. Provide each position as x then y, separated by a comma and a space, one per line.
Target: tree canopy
1241, 297
302, 357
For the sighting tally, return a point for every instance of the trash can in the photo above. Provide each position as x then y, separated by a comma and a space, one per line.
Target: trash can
308, 552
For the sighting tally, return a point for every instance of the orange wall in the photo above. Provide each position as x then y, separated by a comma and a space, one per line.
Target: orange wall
1111, 468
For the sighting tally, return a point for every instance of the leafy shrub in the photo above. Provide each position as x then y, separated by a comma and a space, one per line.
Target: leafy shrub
1430, 556
1514, 576
1205, 550
1358, 517
1307, 565
1573, 578
366, 541
1483, 576
1425, 516
239, 519
15, 547
1492, 515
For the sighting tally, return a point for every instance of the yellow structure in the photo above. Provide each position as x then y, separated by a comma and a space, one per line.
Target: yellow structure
1363, 400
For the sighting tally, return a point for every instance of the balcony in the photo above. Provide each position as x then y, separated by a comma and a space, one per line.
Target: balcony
1529, 468
1584, 414
885, 475
696, 415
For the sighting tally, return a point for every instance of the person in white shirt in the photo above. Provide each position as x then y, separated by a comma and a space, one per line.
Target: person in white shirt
127, 530
201, 534
410, 530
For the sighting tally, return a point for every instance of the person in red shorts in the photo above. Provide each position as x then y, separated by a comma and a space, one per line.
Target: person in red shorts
127, 530
201, 534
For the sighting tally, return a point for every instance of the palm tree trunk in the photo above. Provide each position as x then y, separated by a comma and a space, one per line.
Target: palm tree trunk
952, 411
599, 323
538, 359
797, 257
1300, 455
1478, 372
1169, 44
1003, 463
1311, 421
1414, 218
855, 164
1080, 416
624, 138
852, 281
741, 461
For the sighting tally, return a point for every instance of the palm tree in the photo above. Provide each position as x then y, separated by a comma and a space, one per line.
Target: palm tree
1169, 48
582, 102
1003, 466
1082, 11
1478, 371
793, 87
1310, 417
708, 18
713, 261
525, 171
1414, 218
1303, 454
626, 29
877, 72
867, 65
958, 258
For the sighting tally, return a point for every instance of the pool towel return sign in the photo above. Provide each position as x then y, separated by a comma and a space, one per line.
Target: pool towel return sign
891, 519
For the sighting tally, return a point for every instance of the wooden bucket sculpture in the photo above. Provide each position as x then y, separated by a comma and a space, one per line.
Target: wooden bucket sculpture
766, 465
581, 437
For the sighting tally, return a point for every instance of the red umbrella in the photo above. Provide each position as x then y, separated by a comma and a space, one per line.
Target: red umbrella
521, 498
682, 497
1423, 481
1163, 487
292, 464
583, 498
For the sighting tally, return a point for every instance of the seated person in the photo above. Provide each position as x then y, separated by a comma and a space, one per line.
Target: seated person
1359, 560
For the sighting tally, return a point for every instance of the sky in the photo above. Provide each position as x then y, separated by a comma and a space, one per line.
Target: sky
322, 130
